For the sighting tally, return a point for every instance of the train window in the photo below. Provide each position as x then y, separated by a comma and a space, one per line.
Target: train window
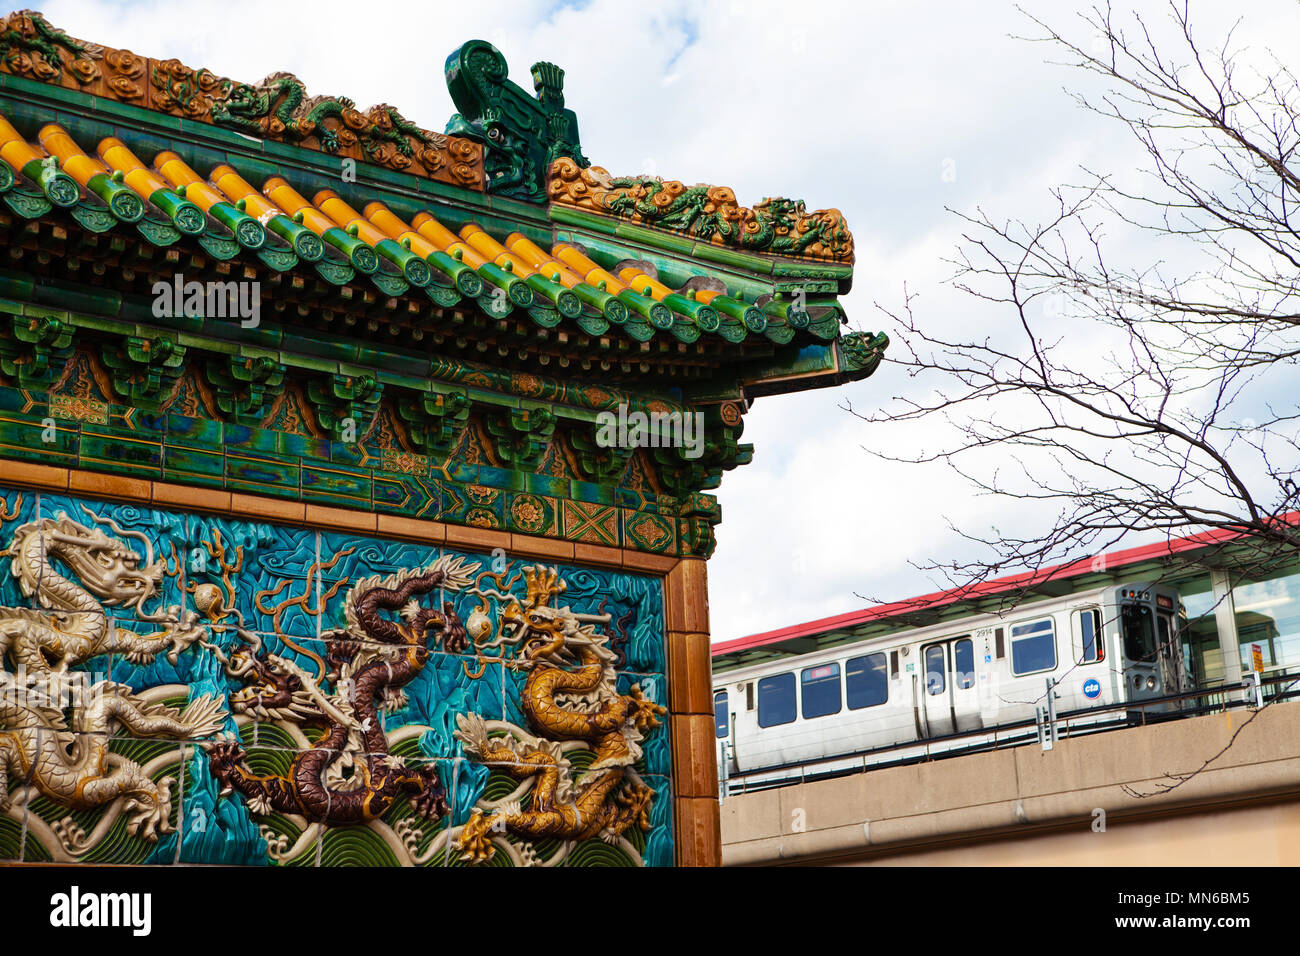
1139, 633
821, 690
865, 683
720, 715
776, 703
1090, 631
893, 667
1033, 647
963, 653
1001, 650
936, 670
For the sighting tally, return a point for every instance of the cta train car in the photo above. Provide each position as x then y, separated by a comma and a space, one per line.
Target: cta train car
1105, 647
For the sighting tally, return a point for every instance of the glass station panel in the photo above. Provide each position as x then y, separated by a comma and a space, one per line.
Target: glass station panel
1268, 614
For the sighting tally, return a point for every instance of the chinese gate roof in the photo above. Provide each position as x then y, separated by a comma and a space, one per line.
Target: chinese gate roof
495, 239
472, 301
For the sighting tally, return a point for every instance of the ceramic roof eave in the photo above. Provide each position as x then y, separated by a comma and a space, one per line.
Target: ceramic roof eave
248, 154
504, 141
753, 278
92, 125
24, 97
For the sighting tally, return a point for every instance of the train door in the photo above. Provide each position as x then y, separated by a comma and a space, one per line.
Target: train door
1175, 676
949, 699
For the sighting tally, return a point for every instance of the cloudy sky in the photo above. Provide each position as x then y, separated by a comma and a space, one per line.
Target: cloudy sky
889, 111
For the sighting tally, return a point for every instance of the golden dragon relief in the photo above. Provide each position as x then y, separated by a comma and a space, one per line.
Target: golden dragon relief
569, 695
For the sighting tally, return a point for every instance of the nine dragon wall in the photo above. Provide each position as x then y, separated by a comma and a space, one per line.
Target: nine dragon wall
290, 582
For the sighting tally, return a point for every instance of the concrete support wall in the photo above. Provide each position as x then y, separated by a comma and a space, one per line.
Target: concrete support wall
1029, 806
1241, 835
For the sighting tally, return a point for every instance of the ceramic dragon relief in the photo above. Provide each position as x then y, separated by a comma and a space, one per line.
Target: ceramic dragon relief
349, 775
314, 699
352, 774
67, 759
569, 695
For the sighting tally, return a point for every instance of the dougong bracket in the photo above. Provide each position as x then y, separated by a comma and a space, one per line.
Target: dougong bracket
145, 370
435, 420
345, 404
35, 350
244, 387
521, 435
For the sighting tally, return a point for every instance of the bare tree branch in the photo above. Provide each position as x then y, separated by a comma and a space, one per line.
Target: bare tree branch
1139, 398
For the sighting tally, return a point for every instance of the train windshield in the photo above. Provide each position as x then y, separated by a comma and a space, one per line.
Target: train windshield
1139, 633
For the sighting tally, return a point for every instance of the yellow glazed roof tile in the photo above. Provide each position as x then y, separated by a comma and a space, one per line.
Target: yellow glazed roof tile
229, 216
504, 141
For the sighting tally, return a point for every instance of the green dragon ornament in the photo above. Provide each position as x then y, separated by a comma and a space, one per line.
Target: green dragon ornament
278, 106
781, 227
521, 135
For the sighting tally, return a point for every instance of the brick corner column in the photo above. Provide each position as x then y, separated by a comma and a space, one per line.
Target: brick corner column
690, 707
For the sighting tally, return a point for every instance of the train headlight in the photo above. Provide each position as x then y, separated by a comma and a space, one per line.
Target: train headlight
1137, 682
1151, 683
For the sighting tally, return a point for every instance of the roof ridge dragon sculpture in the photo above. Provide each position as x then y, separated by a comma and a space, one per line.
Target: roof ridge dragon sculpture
277, 108
779, 227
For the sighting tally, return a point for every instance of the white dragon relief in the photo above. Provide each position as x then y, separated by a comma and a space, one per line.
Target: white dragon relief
62, 752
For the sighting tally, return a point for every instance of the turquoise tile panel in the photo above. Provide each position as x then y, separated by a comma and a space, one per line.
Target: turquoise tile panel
391, 656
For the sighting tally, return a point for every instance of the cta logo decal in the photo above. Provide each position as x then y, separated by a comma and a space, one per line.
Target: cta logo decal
1092, 688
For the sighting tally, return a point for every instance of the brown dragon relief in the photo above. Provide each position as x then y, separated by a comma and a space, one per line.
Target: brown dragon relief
349, 775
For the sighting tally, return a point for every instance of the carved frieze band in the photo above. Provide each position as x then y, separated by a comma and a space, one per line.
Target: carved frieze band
781, 227
277, 108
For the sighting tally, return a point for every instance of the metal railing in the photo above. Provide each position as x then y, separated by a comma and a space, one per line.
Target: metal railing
1075, 723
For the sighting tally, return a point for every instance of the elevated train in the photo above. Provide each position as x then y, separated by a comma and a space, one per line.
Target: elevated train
1105, 647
